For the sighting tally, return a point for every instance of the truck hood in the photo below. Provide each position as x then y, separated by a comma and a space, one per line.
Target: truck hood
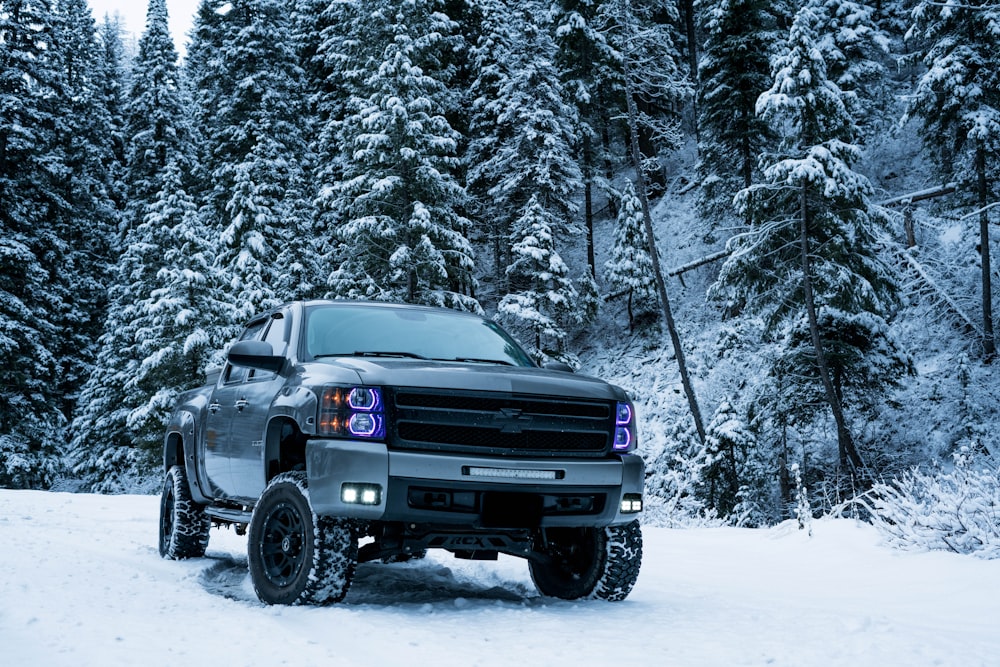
476, 377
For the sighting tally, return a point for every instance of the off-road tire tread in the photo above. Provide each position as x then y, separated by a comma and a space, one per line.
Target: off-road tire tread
334, 550
191, 525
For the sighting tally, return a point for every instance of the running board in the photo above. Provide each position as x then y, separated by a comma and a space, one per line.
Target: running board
228, 514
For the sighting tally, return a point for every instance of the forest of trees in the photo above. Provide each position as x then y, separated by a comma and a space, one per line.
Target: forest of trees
457, 153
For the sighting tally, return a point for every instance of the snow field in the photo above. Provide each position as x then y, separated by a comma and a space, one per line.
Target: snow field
81, 583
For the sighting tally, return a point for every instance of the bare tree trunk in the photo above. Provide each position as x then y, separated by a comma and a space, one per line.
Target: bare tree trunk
588, 183
849, 457
989, 344
661, 288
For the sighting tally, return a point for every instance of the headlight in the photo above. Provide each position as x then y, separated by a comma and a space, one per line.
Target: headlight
351, 412
624, 428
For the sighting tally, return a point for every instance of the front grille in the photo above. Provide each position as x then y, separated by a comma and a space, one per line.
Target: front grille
496, 423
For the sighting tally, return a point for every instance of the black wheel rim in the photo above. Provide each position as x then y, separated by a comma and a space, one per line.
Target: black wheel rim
572, 554
282, 549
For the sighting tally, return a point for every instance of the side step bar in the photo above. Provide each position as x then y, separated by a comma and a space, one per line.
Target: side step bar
228, 514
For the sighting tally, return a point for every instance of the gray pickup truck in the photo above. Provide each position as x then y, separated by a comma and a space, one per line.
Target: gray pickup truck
342, 432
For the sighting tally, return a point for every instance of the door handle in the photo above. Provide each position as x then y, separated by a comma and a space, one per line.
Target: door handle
214, 407
242, 403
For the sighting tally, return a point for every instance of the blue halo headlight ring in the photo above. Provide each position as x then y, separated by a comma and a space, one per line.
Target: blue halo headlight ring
624, 427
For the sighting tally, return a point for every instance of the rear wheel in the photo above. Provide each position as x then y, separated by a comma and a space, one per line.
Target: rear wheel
295, 556
596, 563
184, 526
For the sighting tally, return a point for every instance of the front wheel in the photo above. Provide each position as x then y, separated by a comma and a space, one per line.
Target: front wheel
595, 563
295, 556
184, 525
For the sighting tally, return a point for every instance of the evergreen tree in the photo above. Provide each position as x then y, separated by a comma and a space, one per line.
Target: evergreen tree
808, 263
543, 301
523, 153
736, 480
630, 267
958, 98
734, 70
160, 321
400, 234
249, 89
855, 47
31, 206
88, 186
586, 65
114, 85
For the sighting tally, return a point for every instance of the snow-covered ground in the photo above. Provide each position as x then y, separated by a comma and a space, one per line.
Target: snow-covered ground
81, 584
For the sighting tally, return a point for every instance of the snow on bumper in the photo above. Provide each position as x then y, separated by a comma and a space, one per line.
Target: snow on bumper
365, 480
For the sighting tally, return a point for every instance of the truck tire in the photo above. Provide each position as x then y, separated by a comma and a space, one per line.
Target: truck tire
295, 556
184, 526
595, 563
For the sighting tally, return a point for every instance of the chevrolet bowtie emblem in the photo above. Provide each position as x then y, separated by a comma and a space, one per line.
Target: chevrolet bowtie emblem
510, 420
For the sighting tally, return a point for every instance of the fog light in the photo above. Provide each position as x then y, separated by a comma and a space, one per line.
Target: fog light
361, 494
631, 503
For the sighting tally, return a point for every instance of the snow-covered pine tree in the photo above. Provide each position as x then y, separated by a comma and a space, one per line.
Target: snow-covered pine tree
643, 36
543, 300
737, 481
630, 267
586, 67
397, 206
249, 86
808, 264
87, 222
173, 322
958, 99
735, 69
157, 323
31, 424
522, 155
114, 83
856, 47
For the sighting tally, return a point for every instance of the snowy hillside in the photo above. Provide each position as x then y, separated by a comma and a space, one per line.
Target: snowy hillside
83, 585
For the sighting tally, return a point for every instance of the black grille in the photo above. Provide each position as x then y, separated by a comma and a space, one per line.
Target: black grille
495, 423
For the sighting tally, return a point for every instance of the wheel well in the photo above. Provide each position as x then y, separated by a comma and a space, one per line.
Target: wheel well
285, 447
173, 451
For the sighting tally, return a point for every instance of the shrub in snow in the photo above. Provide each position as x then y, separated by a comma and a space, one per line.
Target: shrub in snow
955, 511
673, 481
735, 480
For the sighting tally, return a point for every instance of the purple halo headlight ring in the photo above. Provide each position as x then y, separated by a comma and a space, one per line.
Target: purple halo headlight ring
351, 412
624, 427
623, 414
368, 399
366, 425
623, 438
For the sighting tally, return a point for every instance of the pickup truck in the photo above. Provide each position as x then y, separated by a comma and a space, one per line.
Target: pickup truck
343, 432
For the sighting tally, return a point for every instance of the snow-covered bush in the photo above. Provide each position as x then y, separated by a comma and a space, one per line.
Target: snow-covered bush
673, 494
950, 511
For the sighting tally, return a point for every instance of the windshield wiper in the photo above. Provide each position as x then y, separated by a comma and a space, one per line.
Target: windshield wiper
475, 360
380, 353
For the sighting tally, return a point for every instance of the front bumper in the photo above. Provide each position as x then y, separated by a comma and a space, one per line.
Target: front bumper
471, 491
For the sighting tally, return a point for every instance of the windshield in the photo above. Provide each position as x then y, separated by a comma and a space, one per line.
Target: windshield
386, 331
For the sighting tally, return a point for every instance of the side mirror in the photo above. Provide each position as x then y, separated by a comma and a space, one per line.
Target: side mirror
558, 366
255, 354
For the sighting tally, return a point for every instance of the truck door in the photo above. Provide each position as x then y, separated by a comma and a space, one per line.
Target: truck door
249, 423
224, 405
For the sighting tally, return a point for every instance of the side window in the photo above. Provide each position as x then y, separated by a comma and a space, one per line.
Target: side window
276, 337
237, 374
